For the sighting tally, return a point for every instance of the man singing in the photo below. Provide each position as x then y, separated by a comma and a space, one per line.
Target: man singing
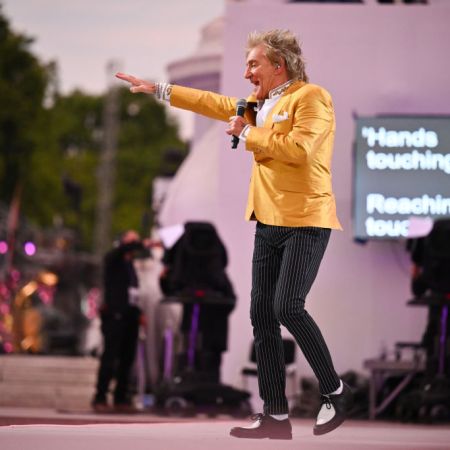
289, 127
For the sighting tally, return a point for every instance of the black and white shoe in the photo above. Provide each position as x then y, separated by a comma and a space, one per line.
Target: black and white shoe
264, 427
333, 411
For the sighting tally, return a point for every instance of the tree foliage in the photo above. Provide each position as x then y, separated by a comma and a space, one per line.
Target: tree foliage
50, 144
23, 81
144, 134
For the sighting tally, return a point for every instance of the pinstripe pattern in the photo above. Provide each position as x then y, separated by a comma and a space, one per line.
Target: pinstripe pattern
285, 263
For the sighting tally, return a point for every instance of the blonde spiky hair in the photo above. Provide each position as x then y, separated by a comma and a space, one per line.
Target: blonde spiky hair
281, 44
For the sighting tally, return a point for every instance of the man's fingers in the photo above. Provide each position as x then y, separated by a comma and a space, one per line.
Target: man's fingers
237, 119
235, 125
124, 76
141, 88
138, 85
232, 130
133, 80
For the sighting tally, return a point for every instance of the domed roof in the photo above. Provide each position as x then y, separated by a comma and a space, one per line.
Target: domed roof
207, 58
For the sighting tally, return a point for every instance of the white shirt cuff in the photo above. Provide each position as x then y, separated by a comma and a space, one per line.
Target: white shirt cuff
244, 133
163, 91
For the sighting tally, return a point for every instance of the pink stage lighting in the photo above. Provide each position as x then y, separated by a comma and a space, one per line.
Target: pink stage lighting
29, 248
3, 247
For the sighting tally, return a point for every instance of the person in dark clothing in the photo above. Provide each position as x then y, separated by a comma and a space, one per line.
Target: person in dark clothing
120, 316
195, 268
430, 279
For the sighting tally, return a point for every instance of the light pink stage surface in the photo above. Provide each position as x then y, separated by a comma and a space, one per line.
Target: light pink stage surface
153, 433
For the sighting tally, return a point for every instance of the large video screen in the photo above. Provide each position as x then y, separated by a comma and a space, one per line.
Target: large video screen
402, 170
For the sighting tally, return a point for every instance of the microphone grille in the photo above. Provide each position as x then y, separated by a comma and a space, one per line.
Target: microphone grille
241, 103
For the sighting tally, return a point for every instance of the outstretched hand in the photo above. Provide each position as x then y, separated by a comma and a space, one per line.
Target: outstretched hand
137, 85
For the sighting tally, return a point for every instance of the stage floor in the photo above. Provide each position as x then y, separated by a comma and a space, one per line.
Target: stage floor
24, 429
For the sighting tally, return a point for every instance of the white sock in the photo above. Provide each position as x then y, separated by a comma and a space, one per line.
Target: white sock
338, 390
279, 416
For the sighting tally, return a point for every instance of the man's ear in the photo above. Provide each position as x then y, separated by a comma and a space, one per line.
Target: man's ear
278, 66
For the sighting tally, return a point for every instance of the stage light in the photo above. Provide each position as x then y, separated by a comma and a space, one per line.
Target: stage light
8, 347
28, 289
47, 278
29, 248
3, 247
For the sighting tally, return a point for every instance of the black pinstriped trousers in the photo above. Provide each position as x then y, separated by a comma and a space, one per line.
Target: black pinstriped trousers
285, 263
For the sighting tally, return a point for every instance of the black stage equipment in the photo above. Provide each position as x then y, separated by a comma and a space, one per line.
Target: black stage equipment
430, 401
195, 277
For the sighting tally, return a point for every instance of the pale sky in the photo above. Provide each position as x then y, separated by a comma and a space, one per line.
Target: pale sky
83, 35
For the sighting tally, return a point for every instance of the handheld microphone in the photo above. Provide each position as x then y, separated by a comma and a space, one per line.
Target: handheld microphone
240, 110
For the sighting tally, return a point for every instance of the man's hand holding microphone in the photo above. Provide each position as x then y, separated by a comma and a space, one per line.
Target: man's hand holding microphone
237, 123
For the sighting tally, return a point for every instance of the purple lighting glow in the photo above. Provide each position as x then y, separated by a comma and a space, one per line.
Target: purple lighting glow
3, 247
29, 248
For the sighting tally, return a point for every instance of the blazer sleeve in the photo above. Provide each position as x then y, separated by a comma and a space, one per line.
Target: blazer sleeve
313, 123
206, 103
